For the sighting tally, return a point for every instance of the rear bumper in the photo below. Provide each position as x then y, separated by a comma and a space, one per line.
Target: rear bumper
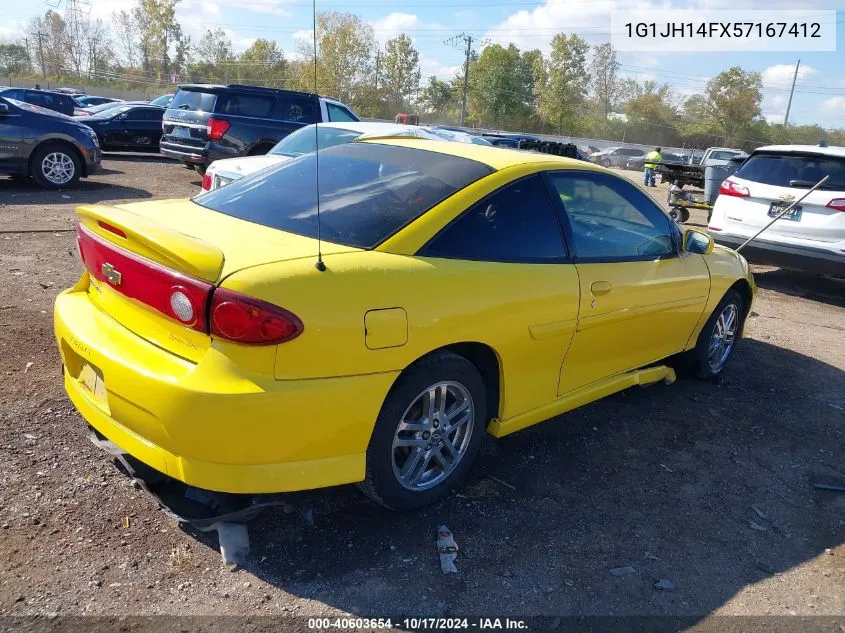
798, 257
211, 424
205, 155
192, 155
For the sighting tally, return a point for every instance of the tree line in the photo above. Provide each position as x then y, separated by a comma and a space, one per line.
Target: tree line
573, 90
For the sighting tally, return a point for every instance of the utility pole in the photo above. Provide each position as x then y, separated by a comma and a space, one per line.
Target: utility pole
378, 60
41, 53
468, 39
789, 103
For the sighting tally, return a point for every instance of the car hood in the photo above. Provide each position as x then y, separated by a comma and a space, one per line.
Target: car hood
247, 164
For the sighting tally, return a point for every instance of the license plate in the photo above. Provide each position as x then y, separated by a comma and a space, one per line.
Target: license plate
778, 207
181, 132
91, 379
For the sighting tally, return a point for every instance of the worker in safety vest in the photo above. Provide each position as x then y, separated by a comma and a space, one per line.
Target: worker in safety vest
651, 160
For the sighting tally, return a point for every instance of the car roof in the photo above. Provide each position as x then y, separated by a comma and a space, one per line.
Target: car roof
366, 127
803, 149
239, 87
495, 157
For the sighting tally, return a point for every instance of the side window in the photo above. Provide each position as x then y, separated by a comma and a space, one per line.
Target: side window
18, 95
337, 113
515, 224
300, 110
245, 105
610, 218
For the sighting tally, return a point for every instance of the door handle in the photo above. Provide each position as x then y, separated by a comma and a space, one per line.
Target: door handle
600, 287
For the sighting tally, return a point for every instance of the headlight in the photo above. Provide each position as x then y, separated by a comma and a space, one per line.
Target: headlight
93, 136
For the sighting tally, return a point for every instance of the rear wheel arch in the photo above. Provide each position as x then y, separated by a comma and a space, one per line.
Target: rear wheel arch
486, 361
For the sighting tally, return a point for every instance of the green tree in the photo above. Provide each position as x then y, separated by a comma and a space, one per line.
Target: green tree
733, 99
500, 87
345, 45
158, 32
213, 57
14, 59
563, 93
604, 74
400, 72
437, 97
262, 63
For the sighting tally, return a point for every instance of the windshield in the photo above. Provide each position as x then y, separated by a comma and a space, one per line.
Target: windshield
108, 113
302, 141
163, 100
104, 106
794, 170
367, 191
194, 100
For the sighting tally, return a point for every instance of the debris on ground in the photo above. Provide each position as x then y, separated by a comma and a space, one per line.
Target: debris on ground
627, 570
28, 365
759, 512
664, 585
448, 549
499, 481
234, 542
756, 526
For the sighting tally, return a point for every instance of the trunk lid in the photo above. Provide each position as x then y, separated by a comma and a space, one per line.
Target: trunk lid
128, 248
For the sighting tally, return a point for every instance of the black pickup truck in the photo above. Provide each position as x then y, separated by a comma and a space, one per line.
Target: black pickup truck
206, 122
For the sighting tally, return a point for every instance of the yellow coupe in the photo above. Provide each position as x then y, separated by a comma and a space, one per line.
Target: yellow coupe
461, 289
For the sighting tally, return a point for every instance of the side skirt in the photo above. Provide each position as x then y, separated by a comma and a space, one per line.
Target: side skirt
579, 397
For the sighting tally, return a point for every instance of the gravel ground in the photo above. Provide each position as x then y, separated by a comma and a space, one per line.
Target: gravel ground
703, 484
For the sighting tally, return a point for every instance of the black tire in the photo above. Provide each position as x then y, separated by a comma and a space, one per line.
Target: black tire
201, 169
698, 357
188, 165
38, 172
380, 483
604, 163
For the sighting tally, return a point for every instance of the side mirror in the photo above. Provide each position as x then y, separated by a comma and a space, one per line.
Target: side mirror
697, 242
4, 109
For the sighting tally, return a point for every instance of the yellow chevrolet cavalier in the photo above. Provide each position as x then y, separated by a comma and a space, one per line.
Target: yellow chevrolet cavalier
464, 289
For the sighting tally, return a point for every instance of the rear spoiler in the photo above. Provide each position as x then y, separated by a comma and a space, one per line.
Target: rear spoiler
149, 239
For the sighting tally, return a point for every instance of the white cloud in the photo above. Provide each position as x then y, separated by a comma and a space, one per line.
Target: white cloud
780, 75
834, 104
774, 117
535, 28
430, 66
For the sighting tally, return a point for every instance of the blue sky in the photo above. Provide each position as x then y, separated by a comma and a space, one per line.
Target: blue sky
819, 97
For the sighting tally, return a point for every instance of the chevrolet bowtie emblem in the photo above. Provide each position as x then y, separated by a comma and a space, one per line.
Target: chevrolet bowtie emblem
111, 274
787, 197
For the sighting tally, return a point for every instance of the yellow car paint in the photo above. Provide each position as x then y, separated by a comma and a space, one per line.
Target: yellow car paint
237, 418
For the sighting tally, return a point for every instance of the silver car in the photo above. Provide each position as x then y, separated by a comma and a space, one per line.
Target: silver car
615, 156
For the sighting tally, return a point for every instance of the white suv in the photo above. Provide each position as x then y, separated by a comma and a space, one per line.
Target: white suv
812, 236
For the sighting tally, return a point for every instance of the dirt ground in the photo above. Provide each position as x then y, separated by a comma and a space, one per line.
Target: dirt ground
703, 484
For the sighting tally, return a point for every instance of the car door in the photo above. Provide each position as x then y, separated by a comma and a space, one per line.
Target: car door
141, 128
11, 136
641, 297
517, 285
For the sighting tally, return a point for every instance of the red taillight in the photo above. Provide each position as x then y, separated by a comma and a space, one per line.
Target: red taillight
243, 319
176, 296
837, 203
730, 188
216, 128
112, 229
206, 181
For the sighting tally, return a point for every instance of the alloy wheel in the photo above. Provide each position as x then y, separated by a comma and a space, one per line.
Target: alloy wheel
58, 168
723, 337
433, 435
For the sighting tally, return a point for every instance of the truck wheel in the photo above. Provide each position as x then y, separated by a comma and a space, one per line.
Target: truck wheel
201, 169
55, 166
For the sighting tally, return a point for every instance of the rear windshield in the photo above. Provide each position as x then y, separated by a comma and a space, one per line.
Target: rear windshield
367, 191
723, 155
794, 170
194, 100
